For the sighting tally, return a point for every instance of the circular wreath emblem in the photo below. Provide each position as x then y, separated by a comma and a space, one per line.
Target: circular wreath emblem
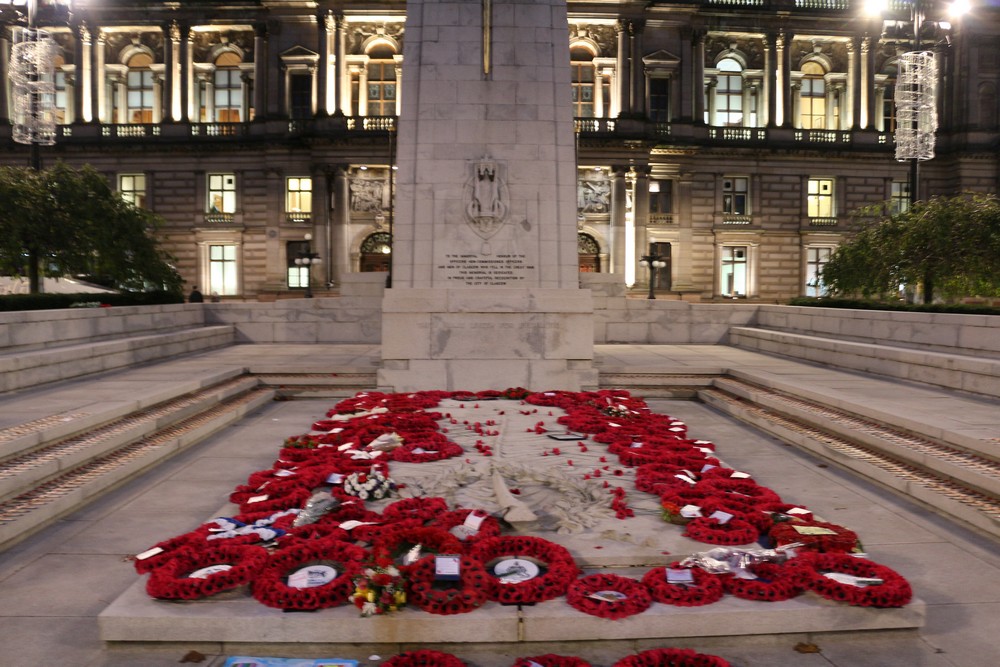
527, 569
774, 582
551, 660
421, 540
711, 531
425, 509
671, 657
273, 587
468, 593
704, 587
424, 658
815, 536
816, 568
193, 574
608, 596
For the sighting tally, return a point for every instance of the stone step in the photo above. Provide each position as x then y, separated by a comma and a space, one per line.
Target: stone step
978, 375
32, 368
27, 470
67, 491
958, 484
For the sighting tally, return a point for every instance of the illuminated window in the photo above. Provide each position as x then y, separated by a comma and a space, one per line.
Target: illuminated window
812, 97
221, 193
819, 198
139, 89
228, 86
736, 195
816, 259
132, 188
298, 276
733, 272
899, 197
582, 62
381, 82
729, 93
298, 195
222, 269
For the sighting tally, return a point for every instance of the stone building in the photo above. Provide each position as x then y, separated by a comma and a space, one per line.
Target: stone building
731, 138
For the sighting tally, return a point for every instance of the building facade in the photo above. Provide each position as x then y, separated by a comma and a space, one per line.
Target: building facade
729, 138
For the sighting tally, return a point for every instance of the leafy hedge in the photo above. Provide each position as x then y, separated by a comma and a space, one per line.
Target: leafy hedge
862, 304
55, 301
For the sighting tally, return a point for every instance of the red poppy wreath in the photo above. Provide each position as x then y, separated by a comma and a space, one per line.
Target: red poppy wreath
466, 594
424, 658
671, 657
772, 582
309, 576
608, 596
693, 587
712, 531
868, 584
194, 574
528, 569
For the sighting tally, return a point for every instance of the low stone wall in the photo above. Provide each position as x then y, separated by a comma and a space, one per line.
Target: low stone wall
972, 335
40, 329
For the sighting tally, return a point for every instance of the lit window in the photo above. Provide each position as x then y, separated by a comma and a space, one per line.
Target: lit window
61, 105
899, 197
228, 95
139, 89
381, 82
816, 259
132, 188
298, 195
733, 272
819, 198
222, 269
298, 276
582, 62
812, 97
660, 197
736, 195
221, 193
729, 93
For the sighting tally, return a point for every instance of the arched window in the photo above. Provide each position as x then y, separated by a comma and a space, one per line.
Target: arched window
139, 87
228, 88
729, 93
813, 97
582, 62
376, 251
589, 251
381, 81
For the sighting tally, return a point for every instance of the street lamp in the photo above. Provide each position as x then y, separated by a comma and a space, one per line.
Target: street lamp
653, 262
308, 259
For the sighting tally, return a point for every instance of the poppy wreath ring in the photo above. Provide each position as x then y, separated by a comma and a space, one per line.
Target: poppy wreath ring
894, 591
581, 596
490, 527
470, 593
707, 587
774, 582
425, 509
711, 531
172, 581
552, 660
424, 658
840, 539
271, 588
674, 657
562, 570
431, 540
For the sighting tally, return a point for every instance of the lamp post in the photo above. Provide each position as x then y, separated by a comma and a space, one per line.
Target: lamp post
308, 259
653, 262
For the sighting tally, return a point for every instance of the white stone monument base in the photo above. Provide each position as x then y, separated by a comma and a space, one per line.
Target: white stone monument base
487, 338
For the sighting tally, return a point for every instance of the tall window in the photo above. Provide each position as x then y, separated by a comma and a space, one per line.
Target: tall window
222, 193
222, 276
888, 110
812, 97
659, 100
381, 82
300, 94
228, 89
298, 195
132, 188
729, 93
139, 89
899, 197
61, 102
582, 62
660, 198
298, 276
733, 273
816, 259
819, 198
736, 195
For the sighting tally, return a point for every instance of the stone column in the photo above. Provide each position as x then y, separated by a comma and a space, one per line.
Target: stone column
796, 104
209, 97
710, 88
784, 62
770, 80
168, 83
324, 23
619, 201
186, 74
622, 64
340, 257
100, 109
854, 90
260, 72
81, 83
640, 213
637, 89
320, 215
698, 84
340, 67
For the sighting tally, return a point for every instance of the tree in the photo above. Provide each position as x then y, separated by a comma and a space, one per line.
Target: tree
63, 221
949, 245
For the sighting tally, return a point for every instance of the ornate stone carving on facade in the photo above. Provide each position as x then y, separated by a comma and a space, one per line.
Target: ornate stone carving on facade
361, 33
593, 193
486, 197
366, 195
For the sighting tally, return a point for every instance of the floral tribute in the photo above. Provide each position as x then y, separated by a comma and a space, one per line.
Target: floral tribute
307, 536
379, 588
671, 657
423, 658
608, 596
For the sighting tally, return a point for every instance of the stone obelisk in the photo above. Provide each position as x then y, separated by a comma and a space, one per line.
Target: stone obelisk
485, 284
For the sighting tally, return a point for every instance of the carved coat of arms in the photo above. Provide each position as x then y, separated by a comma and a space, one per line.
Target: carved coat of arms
486, 199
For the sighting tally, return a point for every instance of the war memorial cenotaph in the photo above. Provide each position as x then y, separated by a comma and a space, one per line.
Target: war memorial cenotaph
485, 285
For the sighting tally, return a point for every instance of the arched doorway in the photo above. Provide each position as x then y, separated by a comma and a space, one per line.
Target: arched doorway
589, 251
376, 251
